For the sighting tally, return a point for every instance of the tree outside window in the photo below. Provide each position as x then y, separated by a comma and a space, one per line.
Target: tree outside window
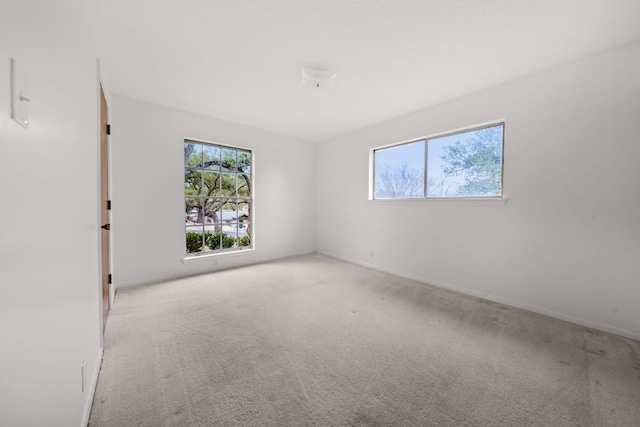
463, 164
218, 197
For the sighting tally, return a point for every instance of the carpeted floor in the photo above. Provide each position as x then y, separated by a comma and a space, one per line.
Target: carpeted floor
313, 341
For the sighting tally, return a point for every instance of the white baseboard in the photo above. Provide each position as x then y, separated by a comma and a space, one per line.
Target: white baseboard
92, 389
540, 310
255, 259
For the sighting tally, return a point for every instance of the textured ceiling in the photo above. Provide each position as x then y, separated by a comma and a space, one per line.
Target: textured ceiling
240, 60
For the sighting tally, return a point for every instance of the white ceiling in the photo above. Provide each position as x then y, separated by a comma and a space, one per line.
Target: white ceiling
239, 60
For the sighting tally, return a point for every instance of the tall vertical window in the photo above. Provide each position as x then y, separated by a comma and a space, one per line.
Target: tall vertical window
218, 198
460, 164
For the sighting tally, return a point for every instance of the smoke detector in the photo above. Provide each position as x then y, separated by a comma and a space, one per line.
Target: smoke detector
316, 78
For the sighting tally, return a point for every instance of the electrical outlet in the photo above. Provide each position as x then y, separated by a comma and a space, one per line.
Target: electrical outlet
215, 262
371, 253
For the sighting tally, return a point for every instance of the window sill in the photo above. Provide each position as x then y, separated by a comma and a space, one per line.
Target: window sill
209, 257
462, 201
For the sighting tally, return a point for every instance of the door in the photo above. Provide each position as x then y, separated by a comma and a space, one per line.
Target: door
104, 206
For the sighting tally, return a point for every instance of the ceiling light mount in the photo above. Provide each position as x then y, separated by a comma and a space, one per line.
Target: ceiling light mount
317, 78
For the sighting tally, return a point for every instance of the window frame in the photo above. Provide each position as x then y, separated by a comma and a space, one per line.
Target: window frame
475, 199
236, 199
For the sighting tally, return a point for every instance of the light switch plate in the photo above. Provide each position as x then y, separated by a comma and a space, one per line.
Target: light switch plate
19, 95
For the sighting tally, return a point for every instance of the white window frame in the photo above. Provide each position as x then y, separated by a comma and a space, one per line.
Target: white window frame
455, 199
190, 256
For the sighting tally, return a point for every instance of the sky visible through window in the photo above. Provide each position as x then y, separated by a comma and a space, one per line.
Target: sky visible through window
441, 184
400, 171
412, 154
466, 164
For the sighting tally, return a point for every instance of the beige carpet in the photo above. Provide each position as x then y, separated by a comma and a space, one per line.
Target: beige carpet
313, 341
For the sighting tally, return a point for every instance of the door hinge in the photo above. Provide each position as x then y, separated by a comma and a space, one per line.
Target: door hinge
108, 129
109, 205
110, 281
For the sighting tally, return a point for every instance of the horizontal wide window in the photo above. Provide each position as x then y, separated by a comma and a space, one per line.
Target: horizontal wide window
460, 164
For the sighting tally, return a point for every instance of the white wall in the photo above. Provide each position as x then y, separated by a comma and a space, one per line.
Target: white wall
148, 192
566, 242
49, 279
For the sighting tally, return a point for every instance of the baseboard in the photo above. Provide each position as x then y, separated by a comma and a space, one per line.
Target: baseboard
92, 389
182, 275
540, 310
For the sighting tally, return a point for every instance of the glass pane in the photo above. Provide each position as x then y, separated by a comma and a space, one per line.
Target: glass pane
244, 229
243, 208
229, 211
244, 223
193, 209
229, 184
211, 208
210, 228
192, 156
467, 164
211, 184
244, 185
228, 159
192, 182
230, 235
211, 157
193, 239
244, 162
212, 239
244, 235
399, 171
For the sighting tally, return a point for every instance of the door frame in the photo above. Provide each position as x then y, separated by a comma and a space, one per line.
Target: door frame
104, 214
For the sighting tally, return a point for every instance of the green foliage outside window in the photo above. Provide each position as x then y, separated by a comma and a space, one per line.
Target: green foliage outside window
194, 242
218, 199
462, 164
